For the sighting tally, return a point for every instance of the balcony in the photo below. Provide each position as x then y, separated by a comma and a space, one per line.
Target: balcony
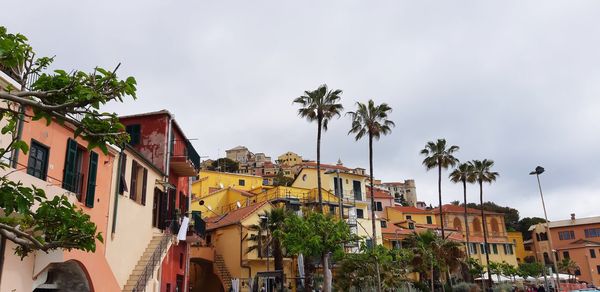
32, 78
185, 161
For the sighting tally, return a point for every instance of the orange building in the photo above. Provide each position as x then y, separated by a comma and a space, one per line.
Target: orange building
577, 239
60, 164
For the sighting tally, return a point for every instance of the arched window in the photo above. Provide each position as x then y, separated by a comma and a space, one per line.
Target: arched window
476, 225
457, 224
495, 226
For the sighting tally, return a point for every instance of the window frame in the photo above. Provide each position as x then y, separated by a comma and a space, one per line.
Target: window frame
362, 213
44, 172
135, 137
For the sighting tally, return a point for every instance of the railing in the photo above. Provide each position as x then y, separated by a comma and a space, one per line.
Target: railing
31, 79
183, 148
154, 260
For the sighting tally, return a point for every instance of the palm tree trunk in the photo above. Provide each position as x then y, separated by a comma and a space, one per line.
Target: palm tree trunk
440, 198
485, 242
325, 260
372, 197
431, 278
277, 254
466, 217
319, 122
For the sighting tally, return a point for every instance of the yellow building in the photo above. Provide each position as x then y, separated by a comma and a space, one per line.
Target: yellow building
516, 237
289, 158
401, 213
353, 182
210, 181
224, 255
500, 247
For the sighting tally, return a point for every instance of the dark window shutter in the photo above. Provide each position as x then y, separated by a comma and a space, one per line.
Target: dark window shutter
144, 187
70, 166
122, 180
91, 185
134, 134
133, 189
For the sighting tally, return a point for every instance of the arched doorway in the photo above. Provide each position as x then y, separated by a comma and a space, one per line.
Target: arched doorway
202, 277
69, 276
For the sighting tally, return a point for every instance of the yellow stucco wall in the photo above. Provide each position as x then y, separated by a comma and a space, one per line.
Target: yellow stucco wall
220, 202
307, 178
394, 215
213, 179
516, 237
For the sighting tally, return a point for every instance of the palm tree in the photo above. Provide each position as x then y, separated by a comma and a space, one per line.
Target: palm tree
567, 266
424, 258
270, 240
482, 173
371, 120
464, 173
320, 105
437, 155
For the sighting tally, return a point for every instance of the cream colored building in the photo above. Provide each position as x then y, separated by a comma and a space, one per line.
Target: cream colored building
289, 158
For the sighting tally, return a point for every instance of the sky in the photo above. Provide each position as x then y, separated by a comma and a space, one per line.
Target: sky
513, 81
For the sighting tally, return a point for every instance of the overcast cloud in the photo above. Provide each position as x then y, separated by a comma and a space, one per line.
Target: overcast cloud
513, 81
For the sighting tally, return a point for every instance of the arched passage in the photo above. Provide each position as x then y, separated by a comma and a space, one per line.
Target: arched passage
68, 276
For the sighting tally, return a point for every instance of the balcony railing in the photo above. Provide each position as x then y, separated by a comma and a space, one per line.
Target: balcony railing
32, 78
185, 158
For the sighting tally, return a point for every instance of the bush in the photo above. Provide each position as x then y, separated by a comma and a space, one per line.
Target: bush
466, 287
504, 287
422, 286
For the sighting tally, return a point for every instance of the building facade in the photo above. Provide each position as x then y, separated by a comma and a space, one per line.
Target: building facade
577, 239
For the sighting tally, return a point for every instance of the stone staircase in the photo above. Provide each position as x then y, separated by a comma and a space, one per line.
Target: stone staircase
221, 270
158, 241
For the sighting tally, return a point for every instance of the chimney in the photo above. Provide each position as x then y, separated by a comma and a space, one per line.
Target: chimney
572, 216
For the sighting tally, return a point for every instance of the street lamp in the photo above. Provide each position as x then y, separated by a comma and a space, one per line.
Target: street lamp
266, 218
539, 170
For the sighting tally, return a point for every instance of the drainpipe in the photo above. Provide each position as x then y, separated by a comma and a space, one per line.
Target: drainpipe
20, 122
118, 184
241, 264
187, 245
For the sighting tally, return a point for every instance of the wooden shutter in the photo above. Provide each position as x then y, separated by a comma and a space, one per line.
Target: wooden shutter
91, 185
133, 189
70, 166
122, 180
144, 181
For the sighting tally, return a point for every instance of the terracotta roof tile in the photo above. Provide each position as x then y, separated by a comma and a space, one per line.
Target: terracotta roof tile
449, 208
232, 217
379, 193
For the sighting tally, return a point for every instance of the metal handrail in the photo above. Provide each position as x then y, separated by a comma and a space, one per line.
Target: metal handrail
155, 260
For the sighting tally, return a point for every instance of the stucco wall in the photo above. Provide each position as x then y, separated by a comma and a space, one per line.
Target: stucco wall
134, 229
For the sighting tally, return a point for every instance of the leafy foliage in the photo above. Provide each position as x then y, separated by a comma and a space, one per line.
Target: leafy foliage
524, 224
534, 269
29, 218
225, 165
359, 270
271, 240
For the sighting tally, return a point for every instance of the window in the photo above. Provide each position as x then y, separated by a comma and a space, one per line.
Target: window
592, 253
429, 220
396, 244
566, 255
139, 179
181, 260
356, 187
566, 235
598, 269
483, 250
37, 165
379, 206
91, 183
122, 180
495, 248
473, 248
360, 213
242, 182
408, 217
134, 134
76, 161
592, 232
509, 249
383, 224
411, 225
369, 243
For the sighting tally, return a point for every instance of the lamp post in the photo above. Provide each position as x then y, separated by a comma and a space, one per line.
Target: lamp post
539, 170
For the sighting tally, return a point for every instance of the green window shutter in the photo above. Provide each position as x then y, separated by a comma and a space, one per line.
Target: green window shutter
91, 185
70, 166
144, 181
133, 189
